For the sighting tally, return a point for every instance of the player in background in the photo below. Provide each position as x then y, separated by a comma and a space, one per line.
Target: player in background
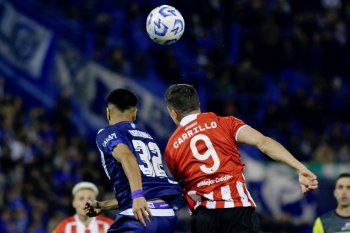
202, 154
133, 162
80, 222
337, 220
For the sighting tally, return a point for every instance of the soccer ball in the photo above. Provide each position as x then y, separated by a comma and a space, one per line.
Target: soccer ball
165, 25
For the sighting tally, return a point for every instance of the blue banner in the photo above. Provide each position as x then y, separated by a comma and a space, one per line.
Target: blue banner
24, 43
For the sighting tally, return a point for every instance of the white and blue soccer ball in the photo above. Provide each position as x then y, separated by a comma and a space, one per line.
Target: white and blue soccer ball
165, 25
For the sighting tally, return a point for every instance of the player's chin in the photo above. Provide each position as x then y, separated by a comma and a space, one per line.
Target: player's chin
83, 212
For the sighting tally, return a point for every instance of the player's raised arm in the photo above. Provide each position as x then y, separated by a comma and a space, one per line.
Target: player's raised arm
276, 151
123, 155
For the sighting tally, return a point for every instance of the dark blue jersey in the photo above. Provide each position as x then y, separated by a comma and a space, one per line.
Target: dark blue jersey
155, 182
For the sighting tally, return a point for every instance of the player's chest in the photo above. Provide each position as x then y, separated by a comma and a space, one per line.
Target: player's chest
342, 226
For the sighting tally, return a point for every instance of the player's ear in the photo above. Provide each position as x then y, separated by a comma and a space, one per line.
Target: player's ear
134, 114
108, 114
174, 115
171, 112
74, 204
335, 194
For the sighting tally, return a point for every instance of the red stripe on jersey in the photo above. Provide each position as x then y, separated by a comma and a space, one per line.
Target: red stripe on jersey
100, 228
87, 231
74, 229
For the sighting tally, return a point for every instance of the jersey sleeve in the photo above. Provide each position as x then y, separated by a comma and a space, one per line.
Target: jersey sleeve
234, 125
106, 140
60, 227
318, 226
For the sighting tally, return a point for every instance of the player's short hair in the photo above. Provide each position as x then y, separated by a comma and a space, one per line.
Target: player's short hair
342, 175
182, 98
84, 185
122, 99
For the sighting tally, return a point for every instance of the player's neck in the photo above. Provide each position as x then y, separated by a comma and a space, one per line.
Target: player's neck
84, 219
343, 211
117, 119
190, 113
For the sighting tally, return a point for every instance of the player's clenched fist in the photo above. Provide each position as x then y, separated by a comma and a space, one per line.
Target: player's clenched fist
92, 208
308, 180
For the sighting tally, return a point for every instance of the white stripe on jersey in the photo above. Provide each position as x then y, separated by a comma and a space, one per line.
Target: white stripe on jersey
69, 227
250, 197
226, 195
103, 161
210, 203
154, 212
197, 199
242, 194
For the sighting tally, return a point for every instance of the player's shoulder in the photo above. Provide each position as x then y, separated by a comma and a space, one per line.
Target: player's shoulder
68, 219
107, 129
110, 129
214, 116
208, 115
330, 215
230, 120
62, 224
104, 219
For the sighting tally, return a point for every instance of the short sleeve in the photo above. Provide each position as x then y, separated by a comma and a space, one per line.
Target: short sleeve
60, 227
106, 140
234, 125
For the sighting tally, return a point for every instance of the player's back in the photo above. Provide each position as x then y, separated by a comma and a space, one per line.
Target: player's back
203, 154
155, 182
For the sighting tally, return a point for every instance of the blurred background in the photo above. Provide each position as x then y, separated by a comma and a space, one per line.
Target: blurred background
283, 66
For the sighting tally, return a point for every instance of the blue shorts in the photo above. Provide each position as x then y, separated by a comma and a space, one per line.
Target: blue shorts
163, 220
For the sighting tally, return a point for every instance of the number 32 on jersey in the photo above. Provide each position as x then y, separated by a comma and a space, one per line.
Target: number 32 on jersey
151, 157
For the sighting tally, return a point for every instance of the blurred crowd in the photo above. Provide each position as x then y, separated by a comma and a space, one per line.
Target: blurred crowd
41, 159
280, 65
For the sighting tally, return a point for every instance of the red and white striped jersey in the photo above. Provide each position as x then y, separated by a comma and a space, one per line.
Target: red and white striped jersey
202, 154
73, 224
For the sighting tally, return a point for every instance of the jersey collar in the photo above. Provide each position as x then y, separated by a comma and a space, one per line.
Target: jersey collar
91, 223
187, 119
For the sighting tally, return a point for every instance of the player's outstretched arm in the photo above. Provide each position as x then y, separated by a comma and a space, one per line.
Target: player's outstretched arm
123, 155
94, 208
276, 151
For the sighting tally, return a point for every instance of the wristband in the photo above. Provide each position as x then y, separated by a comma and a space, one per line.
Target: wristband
136, 194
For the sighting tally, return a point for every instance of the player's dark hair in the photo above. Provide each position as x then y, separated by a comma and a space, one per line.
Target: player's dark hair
182, 98
342, 175
122, 99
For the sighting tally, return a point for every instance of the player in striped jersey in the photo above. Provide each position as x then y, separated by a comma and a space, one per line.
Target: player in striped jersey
203, 155
80, 222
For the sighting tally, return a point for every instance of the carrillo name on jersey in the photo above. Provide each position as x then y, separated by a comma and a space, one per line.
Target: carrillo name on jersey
191, 132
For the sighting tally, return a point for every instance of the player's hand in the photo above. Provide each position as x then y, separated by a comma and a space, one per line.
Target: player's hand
308, 180
140, 210
92, 208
